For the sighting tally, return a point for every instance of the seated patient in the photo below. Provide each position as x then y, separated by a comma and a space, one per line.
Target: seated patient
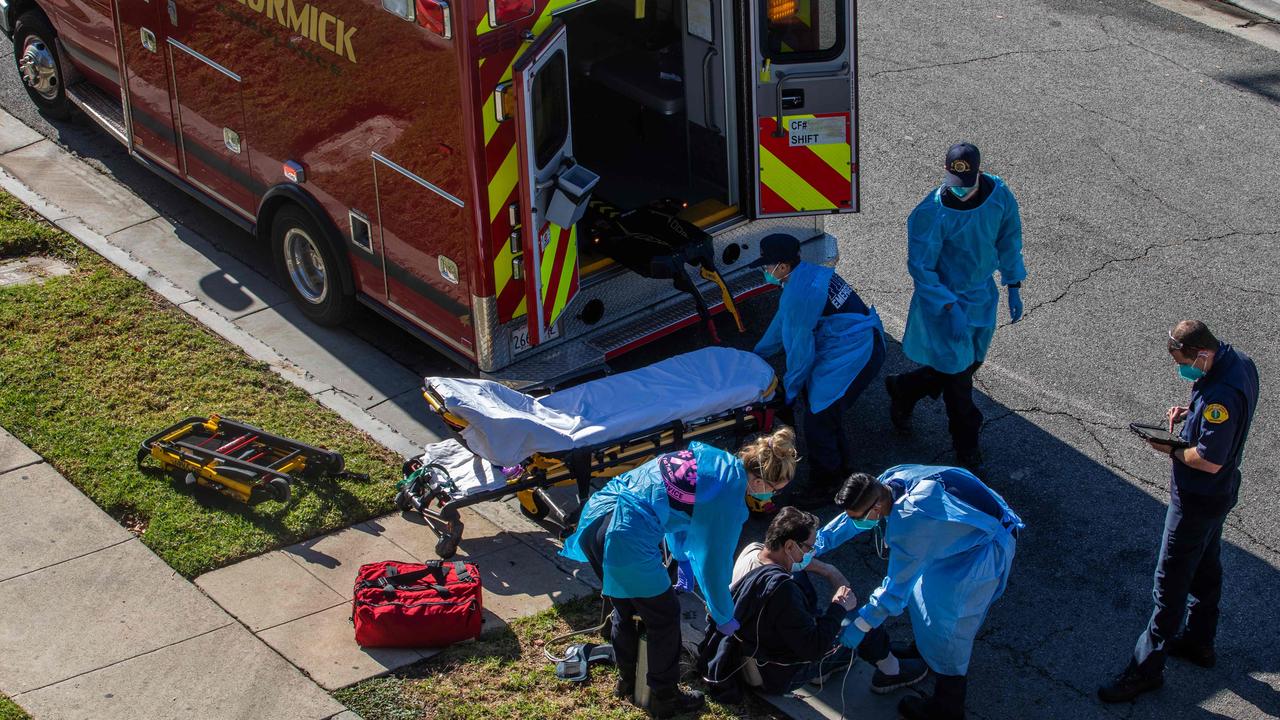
791, 638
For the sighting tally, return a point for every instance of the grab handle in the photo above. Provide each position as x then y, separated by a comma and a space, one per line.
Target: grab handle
707, 96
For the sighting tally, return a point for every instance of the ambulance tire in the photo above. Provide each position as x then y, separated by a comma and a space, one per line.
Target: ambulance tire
309, 268
33, 36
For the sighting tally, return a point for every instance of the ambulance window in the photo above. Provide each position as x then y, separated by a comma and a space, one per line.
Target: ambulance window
550, 99
802, 30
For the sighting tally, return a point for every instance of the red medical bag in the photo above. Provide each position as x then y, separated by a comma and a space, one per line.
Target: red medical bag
414, 605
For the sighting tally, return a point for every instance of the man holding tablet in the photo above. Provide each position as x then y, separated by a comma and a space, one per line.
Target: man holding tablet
1204, 487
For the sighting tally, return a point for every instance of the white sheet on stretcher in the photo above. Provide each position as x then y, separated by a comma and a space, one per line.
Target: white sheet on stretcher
505, 426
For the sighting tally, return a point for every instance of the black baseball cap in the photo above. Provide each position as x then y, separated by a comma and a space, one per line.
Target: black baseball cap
963, 163
778, 248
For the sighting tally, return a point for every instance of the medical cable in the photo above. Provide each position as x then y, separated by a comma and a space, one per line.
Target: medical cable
588, 631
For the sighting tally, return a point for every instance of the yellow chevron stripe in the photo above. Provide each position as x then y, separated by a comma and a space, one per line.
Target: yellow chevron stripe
503, 183
521, 309
566, 275
483, 27
548, 259
781, 179
838, 155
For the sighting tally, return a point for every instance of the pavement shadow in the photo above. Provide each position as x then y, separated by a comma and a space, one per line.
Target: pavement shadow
1080, 593
1265, 85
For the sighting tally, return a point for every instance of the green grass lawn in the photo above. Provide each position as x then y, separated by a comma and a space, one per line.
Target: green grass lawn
93, 363
504, 674
9, 710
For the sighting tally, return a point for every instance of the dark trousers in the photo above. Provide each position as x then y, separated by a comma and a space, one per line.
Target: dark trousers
660, 615
829, 455
964, 419
873, 648
1190, 567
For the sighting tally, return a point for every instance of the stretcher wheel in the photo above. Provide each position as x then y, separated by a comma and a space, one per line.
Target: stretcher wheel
447, 545
279, 489
403, 503
541, 509
337, 463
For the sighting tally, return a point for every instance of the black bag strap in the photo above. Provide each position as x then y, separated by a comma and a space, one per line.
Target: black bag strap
394, 579
460, 570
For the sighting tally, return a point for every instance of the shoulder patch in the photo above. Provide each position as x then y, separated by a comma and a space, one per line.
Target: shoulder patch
1216, 414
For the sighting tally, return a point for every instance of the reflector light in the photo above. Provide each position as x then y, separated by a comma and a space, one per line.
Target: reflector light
502, 12
435, 16
781, 10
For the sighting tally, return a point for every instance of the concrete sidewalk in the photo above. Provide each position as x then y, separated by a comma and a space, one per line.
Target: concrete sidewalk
295, 599
96, 627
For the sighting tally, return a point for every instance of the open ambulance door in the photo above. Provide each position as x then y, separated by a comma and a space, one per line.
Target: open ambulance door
544, 136
804, 108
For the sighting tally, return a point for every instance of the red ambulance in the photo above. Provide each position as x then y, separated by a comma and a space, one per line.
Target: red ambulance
455, 164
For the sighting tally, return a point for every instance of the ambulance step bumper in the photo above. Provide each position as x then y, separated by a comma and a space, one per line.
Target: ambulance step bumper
101, 106
674, 314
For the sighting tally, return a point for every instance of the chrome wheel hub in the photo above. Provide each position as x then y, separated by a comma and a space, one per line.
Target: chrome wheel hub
306, 266
39, 71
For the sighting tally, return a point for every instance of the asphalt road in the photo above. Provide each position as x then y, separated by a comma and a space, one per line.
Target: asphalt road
1144, 149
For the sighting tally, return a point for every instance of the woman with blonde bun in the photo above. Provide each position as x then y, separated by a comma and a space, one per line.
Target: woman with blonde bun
695, 499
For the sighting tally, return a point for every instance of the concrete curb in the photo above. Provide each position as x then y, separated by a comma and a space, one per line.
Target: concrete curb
1269, 9
324, 394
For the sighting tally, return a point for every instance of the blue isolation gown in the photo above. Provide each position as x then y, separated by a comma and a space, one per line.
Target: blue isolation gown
824, 354
951, 255
642, 516
948, 562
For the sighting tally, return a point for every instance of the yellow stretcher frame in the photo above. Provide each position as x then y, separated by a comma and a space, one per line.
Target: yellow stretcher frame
541, 471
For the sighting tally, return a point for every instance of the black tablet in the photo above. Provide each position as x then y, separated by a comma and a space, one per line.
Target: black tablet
1158, 433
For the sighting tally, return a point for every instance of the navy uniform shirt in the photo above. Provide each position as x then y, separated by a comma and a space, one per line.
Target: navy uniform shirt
1221, 410
842, 299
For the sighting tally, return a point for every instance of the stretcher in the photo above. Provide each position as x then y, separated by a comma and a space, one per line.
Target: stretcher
508, 443
236, 459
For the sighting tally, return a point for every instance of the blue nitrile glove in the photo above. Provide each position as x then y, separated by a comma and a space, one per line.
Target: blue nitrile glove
1015, 304
958, 322
684, 576
730, 627
850, 635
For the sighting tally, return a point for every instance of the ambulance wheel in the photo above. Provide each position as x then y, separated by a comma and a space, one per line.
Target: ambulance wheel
279, 489
309, 267
540, 507
39, 66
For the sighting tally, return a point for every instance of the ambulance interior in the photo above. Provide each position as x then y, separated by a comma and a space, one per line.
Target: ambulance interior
653, 103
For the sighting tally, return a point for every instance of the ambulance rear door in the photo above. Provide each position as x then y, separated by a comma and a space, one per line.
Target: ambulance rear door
804, 109
545, 140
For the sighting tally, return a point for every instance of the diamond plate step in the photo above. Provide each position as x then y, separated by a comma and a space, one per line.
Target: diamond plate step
104, 108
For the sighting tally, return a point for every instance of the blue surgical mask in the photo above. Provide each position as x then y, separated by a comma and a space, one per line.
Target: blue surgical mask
1190, 373
960, 192
771, 278
804, 561
866, 524
763, 497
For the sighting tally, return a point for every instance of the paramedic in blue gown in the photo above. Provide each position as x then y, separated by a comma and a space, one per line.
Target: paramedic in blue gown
834, 348
695, 499
957, 237
951, 543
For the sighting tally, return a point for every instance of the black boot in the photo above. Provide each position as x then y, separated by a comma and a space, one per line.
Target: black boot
899, 407
1202, 655
947, 702
626, 687
671, 701
1129, 684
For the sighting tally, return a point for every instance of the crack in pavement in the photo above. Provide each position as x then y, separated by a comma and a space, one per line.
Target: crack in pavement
1152, 134
1255, 291
1136, 258
953, 63
1022, 659
1149, 191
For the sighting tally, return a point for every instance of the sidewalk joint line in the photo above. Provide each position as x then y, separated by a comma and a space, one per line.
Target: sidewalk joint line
24, 147
128, 227
77, 557
125, 660
23, 466
341, 601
